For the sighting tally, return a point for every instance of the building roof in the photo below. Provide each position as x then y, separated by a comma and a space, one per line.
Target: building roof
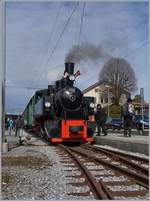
92, 86
96, 85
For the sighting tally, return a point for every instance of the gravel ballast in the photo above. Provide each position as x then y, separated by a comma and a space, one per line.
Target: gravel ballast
41, 172
36, 172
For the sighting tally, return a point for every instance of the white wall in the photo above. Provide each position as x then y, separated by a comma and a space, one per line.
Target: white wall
98, 96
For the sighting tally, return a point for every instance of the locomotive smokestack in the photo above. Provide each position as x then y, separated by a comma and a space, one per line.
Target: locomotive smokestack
69, 68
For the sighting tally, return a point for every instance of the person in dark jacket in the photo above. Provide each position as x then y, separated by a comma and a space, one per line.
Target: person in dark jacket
19, 126
128, 113
100, 118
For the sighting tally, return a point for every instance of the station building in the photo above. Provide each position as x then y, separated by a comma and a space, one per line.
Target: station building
102, 94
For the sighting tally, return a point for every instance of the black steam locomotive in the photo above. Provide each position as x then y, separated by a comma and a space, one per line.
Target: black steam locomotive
61, 113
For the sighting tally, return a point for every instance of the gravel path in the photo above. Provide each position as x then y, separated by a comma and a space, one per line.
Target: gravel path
35, 172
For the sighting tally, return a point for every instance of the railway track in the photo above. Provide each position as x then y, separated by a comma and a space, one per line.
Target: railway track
140, 164
107, 175
132, 157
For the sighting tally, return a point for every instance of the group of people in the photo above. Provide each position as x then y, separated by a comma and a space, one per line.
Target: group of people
127, 116
14, 125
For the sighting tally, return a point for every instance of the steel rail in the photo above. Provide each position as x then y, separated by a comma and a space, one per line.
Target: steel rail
140, 159
140, 179
132, 164
98, 188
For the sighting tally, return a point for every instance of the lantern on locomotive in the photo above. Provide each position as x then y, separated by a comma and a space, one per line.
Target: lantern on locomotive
67, 110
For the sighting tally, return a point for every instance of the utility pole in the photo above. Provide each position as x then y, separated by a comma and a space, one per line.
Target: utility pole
3, 73
142, 102
108, 112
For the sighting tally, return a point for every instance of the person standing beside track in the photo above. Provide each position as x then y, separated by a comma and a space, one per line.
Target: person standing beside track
19, 127
10, 125
100, 118
128, 113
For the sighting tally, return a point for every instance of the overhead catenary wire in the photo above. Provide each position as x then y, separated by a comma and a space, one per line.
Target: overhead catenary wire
136, 49
81, 23
51, 33
127, 36
81, 26
23, 87
125, 56
138, 25
28, 87
128, 54
57, 42
76, 24
49, 40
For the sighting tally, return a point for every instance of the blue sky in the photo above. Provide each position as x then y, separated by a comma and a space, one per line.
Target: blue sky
32, 29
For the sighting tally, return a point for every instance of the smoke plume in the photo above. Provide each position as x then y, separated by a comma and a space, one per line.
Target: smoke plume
86, 51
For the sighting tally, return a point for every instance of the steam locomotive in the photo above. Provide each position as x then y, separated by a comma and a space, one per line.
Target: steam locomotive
61, 113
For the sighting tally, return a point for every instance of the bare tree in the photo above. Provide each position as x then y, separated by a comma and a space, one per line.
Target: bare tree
119, 75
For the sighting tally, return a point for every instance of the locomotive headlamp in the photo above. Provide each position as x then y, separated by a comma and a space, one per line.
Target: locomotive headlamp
47, 104
72, 77
92, 105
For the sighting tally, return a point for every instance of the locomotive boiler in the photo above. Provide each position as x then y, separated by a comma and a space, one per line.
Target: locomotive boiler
61, 113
